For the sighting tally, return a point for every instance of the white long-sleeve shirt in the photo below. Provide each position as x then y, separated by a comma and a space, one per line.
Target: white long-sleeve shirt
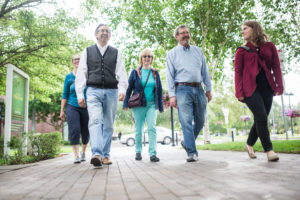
81, 76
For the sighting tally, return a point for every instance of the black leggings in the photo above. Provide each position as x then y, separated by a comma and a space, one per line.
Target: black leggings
260, 104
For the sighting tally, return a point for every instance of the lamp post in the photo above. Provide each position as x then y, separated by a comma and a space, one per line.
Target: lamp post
172, 126
282, 64
245, 127
289, 95
226, 114
219, 122
1, 108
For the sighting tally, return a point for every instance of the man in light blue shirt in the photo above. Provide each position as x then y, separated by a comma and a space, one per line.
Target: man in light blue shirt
186, 73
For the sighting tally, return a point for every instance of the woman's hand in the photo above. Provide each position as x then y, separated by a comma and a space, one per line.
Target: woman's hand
62, 115
241, 98
125, 109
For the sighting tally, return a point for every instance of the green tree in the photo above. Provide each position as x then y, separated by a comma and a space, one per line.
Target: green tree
47, 111
41, 44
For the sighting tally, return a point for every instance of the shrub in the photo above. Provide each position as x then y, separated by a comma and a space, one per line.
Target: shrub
16, 144
63, 142
45, 146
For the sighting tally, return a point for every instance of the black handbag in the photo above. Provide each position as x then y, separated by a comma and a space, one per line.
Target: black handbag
136, 99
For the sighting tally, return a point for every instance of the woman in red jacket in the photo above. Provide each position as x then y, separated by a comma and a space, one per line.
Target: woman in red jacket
258, 78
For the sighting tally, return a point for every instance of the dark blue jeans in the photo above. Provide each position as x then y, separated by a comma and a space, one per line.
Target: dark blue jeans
78, 120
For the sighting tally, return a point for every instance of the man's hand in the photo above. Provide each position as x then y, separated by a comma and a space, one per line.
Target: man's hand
173, 102
81, 103
121, 96
241, 98
208, 95
125, 109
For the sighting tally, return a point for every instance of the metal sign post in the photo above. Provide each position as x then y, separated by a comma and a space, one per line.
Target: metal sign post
172, 126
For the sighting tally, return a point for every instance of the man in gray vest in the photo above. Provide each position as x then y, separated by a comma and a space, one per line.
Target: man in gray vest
102, 70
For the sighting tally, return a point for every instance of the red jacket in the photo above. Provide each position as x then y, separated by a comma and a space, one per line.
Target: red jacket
247, 66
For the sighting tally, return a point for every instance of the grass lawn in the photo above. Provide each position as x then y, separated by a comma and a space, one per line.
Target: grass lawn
280, 146
68, 149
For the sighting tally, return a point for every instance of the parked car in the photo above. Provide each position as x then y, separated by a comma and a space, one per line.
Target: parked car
164, 136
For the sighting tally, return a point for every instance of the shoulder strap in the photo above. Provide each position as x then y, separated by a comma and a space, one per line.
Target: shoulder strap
246, 48
137, 71
147, 78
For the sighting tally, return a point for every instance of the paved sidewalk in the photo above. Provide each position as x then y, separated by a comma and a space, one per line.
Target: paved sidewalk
217, 175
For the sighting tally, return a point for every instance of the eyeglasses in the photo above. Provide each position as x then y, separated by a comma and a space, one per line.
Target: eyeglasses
183, 33
104, 31
147, 56
74, 59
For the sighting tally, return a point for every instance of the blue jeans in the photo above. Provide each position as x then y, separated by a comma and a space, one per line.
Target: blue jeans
102, 108
191, 102
140, 115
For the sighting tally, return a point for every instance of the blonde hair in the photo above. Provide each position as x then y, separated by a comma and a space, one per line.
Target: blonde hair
144, 52
258, 35
76, 55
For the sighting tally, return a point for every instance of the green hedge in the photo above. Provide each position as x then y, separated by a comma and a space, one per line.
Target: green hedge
45, 146
40, 147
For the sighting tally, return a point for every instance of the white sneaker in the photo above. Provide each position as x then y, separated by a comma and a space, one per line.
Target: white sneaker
192, 158
77, 160
82, 155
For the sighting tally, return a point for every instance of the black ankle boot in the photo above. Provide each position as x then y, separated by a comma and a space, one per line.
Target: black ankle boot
138, 156
154, 158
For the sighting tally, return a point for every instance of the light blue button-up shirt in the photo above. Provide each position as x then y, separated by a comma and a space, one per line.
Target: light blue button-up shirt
186, 65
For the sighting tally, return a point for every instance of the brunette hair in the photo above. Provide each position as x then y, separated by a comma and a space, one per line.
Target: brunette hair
258, 35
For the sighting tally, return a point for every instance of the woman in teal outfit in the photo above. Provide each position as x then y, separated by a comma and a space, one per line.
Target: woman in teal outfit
152, 101
77, 117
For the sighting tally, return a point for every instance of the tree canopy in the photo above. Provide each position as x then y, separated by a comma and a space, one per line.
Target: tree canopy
41, 44
42, 41
214, 26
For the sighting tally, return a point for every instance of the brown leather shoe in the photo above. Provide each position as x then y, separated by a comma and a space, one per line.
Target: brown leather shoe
106, 161
251, 154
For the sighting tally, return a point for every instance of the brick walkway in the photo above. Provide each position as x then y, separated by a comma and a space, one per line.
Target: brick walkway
217, 175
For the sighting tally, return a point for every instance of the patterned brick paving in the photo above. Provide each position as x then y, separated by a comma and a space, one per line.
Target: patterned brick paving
217, 175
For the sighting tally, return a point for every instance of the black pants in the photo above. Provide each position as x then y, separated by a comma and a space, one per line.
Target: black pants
78, 120
260, 104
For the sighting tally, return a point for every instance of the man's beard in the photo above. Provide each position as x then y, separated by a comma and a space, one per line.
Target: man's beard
186, 41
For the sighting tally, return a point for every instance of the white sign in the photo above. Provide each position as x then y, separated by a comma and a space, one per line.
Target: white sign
16, 107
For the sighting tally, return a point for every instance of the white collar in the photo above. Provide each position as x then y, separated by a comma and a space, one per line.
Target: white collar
99, 46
